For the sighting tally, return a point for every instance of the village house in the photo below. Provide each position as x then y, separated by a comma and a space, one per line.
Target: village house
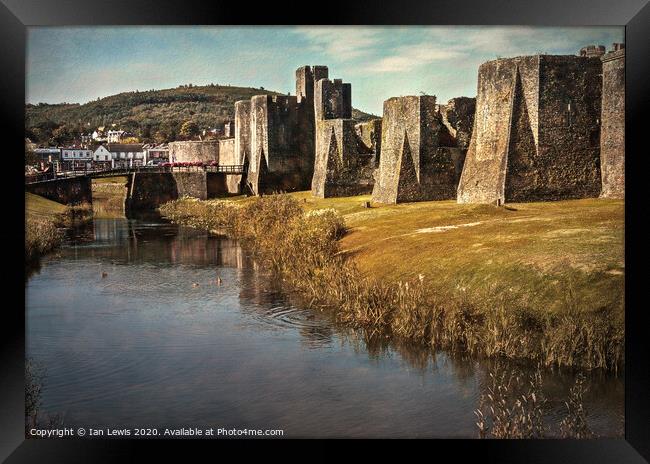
86, 139
48, 155
75, 158
156, 153
115, 136
119, 155
98, 135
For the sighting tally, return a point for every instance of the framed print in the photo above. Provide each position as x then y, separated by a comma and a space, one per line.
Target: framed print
405, 222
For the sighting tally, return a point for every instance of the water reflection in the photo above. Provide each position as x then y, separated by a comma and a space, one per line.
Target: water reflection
135, 330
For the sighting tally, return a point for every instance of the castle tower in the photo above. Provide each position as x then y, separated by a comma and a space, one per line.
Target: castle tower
413, 167
332, 99
536, 131
612, 131
306, 78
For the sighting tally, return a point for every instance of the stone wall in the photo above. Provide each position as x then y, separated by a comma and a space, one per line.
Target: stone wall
228, 157
412, 165
535, 132
332, 99
306, 78
612, 135
147, 191
243, 130
216, 185
341, 167
458, 117
191, 184
370, 134
190, 151
276, 161
72, 191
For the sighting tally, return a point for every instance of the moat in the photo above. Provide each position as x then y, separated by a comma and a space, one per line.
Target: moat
140, 323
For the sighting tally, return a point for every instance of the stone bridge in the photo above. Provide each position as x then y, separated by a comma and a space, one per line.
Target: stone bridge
147, 187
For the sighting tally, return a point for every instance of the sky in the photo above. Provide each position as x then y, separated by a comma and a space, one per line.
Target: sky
79, 64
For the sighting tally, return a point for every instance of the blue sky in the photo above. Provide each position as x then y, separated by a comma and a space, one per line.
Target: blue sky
78, 64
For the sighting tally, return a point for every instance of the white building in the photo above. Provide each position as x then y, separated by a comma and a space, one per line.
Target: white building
120, 155
115, 136
76, 158
98, 135
48, 155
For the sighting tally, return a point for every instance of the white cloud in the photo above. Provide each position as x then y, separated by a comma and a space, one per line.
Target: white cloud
409, 57
344, 43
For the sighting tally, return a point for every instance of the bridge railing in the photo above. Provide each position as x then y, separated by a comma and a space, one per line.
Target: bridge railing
109, 172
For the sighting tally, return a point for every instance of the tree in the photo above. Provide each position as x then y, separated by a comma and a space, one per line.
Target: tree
189, 129
61, 135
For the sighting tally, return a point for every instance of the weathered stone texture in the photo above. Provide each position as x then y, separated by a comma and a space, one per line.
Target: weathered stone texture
276, 162
216, 184
343, 166
332, 99
306, 78
191, 184
147, 191
228, 157
413, 167
612, 136
536, 131
458, 118
190, 151
370, 134
242, 130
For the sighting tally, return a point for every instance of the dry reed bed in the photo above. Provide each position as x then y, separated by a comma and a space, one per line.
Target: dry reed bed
303, 250
43, 233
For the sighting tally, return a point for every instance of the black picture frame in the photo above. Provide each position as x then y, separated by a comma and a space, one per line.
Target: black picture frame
16, 15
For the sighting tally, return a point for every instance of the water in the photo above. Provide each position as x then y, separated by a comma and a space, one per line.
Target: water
156, 342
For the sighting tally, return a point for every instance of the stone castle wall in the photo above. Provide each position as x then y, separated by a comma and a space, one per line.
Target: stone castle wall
412, 166
228, 157
340, 168
332, 99
242, 131
369, 133
190, 151
276, 162
535, 131
457, 115
612, 136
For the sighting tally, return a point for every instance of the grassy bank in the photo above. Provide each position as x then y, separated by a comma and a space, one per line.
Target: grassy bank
537, 281
44, 221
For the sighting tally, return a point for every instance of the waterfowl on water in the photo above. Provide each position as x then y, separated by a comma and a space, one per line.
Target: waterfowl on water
194, 284
104, 275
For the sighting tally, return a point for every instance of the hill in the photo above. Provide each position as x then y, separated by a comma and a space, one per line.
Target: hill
152, 115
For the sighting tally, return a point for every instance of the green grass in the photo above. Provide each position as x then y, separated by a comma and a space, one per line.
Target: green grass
43, 219
536, 251
38, 206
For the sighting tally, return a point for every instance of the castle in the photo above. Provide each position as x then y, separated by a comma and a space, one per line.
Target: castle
542, 127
